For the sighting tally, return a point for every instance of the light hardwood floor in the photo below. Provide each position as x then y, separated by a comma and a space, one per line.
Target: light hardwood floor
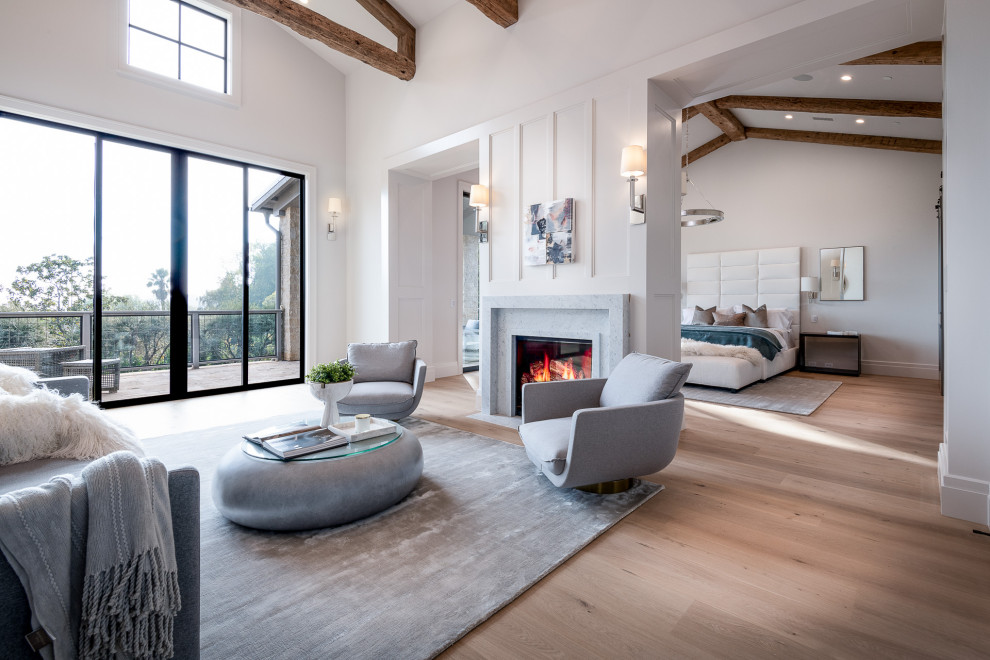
776, 536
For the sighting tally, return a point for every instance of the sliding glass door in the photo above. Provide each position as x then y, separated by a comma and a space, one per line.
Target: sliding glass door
156, 272
135, 259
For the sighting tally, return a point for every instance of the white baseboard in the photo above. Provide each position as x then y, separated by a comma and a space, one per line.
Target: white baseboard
903, 369
962, 497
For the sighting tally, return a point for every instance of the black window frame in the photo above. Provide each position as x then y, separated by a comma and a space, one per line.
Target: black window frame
178, 386
180, 43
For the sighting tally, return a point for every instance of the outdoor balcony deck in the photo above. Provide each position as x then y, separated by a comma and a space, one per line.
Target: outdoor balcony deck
134, 384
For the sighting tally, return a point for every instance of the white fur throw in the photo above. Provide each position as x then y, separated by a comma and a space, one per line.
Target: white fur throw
16, 380
692, 347
44, 424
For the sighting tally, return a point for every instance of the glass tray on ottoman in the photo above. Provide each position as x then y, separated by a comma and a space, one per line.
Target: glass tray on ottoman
378, 427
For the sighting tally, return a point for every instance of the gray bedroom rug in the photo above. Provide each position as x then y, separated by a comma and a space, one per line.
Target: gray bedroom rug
480, 528
798, 396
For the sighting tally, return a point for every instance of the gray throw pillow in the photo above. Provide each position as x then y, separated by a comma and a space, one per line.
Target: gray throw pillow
756, 318
386, 361
703, 316
730, 319
640, 378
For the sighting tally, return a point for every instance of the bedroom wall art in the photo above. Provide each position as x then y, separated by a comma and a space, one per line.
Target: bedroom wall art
548, 233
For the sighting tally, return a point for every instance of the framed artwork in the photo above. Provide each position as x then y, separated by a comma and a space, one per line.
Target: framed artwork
548, 232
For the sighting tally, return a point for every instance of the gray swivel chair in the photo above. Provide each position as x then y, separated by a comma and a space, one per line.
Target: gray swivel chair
389, 380
596, 433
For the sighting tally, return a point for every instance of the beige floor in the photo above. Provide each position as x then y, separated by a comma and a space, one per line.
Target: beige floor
776, 536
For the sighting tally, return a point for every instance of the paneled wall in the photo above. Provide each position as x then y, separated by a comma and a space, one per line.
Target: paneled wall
571, 151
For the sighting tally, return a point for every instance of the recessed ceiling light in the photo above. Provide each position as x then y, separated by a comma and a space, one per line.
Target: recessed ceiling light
804, 77
888, 77
860, 121
846, 78
788, 116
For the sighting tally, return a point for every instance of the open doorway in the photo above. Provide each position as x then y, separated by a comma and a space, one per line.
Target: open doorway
470, 318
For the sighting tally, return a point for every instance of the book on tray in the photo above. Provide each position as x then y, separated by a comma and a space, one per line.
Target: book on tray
300, 444
272, 432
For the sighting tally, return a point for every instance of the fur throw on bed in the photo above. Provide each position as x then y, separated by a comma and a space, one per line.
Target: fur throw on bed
692, 347
43, 424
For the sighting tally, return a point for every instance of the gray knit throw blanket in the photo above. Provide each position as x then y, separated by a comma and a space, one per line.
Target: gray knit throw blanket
96, 557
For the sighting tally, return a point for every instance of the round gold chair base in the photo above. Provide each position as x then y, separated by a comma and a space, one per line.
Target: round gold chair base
608, 487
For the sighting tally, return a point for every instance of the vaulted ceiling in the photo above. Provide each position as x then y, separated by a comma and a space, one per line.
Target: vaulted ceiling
378, 33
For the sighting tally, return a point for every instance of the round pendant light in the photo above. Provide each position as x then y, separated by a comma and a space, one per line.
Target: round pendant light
698, 217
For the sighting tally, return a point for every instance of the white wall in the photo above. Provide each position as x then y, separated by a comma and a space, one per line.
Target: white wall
475, 80
780, 194
964, 457
59, 59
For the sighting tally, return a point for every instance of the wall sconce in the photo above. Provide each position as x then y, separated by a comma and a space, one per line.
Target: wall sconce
809, 285
479, 200
634, 165
333, 208
835, 269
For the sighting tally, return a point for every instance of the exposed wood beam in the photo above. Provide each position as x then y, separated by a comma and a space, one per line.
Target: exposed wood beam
724, 119
687, 113
308, 23
705, 149
396, 23
503, 12
834, 106
848, 140
922, 52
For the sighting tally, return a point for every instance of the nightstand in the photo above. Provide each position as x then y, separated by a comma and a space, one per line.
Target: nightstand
830, 354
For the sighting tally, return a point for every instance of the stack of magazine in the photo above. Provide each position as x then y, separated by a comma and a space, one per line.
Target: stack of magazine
294, 440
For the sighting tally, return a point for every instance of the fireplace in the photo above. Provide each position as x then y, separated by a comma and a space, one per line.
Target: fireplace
541, 359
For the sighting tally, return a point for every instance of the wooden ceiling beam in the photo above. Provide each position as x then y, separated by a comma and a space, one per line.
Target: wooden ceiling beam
396, 23
872, 108
689, 112
922, 52
705, 149
308, 23
503, 12
724, 119
848, 140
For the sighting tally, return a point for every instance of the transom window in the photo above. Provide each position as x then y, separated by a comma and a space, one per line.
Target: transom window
180, 40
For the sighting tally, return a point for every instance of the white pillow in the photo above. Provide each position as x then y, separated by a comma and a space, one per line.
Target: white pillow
687, 315
779, 318
16, 380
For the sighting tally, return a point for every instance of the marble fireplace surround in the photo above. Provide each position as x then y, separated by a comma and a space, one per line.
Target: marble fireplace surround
601, 318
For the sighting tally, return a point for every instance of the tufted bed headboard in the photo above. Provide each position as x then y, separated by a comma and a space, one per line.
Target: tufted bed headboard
747, 277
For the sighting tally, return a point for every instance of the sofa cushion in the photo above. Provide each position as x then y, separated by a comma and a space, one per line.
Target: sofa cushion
388, 392
546, 442
383, 361
640, 378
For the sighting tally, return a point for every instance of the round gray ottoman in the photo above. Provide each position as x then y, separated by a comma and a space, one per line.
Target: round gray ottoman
328, 488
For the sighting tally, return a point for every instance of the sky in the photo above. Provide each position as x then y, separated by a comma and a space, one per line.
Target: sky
47, 180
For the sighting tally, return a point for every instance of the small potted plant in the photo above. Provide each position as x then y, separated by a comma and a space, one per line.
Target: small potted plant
330, 382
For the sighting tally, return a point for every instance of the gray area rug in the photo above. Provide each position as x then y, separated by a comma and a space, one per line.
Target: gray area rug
480, 528
500, 420
798, 396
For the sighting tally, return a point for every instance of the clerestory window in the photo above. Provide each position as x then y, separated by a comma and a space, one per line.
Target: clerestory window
187, 41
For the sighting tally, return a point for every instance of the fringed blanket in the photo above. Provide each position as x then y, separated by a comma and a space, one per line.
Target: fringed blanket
692, 347
97, 559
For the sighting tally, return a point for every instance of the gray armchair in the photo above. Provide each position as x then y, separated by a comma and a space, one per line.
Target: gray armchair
66, 385
597, 433
389, 380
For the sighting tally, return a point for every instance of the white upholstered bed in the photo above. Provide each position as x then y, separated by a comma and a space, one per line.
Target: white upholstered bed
726, 280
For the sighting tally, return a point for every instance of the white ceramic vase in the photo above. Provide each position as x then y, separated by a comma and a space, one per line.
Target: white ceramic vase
330, 394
